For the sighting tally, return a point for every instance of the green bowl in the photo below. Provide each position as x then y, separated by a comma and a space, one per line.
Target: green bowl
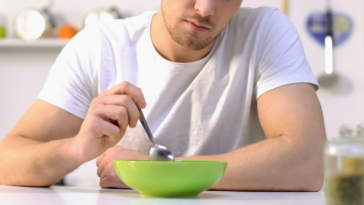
170, 179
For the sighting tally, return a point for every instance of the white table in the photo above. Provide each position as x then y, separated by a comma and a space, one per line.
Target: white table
77, 195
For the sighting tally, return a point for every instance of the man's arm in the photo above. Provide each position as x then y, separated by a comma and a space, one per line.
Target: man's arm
48, 142
291, 159
35, 152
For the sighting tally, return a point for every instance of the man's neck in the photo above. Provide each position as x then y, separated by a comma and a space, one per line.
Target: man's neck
169, 49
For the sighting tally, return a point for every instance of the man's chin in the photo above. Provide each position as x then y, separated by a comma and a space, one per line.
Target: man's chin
193, 44
195, 47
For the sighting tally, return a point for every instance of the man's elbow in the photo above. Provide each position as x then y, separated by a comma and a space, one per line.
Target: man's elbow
312, 175
315, 183
25, 184
13, 180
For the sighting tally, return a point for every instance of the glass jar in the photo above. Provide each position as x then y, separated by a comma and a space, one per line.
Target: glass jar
344, 168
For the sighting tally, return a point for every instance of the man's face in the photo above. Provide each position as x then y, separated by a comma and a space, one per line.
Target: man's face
195, 24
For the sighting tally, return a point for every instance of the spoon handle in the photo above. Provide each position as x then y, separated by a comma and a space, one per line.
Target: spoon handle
145, 126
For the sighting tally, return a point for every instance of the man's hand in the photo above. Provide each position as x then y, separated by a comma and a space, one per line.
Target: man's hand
105, 164
107, 119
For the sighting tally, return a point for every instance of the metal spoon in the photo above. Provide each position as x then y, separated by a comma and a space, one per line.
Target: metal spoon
157, 152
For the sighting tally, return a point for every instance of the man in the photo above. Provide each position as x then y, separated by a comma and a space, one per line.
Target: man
221, 82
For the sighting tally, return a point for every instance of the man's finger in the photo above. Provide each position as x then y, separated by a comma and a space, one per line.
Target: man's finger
111, 182
100, 168
107, 128
107, 170
111, 114
128, 103
126, 88
101, 157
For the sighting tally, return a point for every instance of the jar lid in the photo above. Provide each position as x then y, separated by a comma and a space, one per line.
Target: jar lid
349, 143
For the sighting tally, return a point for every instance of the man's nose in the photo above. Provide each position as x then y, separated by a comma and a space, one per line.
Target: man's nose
205, 7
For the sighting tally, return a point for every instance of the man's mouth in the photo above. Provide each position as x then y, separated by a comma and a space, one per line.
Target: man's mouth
195, 26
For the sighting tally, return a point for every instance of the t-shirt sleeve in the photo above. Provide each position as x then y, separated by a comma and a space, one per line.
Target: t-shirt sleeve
69, 85
282, 60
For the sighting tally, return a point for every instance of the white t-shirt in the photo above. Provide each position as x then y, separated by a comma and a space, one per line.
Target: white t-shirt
200, 108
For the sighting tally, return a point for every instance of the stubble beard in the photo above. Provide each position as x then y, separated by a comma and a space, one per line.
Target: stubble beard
187, 39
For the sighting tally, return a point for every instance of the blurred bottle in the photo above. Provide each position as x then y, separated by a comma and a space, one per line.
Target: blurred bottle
32, 24
344, 167
102, 15
3, 33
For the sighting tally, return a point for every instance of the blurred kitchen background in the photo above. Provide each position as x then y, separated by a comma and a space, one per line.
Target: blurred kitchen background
24, 65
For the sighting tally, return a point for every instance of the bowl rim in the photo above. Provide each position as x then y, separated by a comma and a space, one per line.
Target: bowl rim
170, 162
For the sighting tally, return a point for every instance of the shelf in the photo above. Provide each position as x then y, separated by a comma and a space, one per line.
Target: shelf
41, 43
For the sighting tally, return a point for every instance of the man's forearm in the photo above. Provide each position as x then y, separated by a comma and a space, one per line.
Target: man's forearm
25, 162
271, 165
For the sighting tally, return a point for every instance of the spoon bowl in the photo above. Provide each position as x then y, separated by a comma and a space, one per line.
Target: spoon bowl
160, 153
